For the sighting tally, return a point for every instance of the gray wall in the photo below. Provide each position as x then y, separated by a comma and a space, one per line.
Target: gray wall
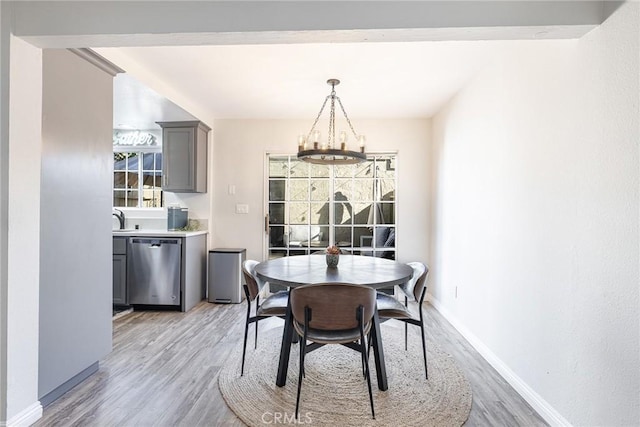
75, 234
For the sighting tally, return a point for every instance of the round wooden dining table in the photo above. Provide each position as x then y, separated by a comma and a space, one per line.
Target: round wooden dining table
301, 270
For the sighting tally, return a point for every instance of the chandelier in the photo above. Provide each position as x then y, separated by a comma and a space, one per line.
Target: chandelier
328, 153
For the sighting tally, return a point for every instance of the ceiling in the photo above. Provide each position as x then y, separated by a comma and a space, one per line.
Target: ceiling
265, 60
378, 80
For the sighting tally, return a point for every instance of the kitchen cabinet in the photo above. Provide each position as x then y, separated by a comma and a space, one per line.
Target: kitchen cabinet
194, 271
119, 270
184, 156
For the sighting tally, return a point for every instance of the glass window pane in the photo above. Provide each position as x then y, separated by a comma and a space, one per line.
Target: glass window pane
298, 236
387, 168
319, 236
364, 169
376, 214
277, 190
320, 189
147, 161
278, 167
363, 189
343, 236
382, 235
319, 213
119, 180
363, 237
386, 212
299, 169
298, 189
342, 210
343, 171
319, 171
276, 213
155, 198
276, 236
387, 189
132, 199
119, 198
344, 186
124, 161
298, 213
361, 215
390, 241
150, 180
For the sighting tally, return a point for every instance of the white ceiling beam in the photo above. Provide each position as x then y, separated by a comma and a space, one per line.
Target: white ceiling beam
51, 24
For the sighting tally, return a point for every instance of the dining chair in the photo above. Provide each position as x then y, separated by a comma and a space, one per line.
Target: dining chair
333, 313
273, 305
414, 290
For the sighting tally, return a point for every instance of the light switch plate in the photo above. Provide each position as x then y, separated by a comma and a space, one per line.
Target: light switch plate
242, 209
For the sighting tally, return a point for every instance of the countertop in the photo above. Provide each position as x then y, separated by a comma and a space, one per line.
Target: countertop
159, 233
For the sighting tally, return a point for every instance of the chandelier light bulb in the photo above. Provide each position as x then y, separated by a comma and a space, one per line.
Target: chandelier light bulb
302, 143
361, 140
343, 140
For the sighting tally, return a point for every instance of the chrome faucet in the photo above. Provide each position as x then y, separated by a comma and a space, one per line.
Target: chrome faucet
120, 215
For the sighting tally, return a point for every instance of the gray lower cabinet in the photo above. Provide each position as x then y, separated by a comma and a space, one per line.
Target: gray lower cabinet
120, 270
184, 156
194, 271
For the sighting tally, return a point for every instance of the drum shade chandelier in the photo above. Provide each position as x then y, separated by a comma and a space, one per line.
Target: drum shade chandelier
311, 150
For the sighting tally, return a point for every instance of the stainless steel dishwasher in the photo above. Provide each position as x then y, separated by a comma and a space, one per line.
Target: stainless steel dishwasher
153, 271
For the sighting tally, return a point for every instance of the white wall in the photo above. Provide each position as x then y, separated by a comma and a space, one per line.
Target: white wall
75, 235
239, 153
24, 232
536, 220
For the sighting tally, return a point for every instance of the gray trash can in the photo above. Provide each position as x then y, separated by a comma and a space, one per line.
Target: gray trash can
225, 275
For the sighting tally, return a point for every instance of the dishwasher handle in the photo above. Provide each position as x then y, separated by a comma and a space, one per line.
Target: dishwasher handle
156, 243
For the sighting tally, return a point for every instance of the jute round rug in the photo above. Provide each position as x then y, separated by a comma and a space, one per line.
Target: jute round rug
334, 392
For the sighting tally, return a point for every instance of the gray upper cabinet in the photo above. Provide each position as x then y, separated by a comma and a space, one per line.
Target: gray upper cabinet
120, 270
184, 156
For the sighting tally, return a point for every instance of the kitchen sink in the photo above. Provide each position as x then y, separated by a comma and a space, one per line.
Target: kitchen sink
126, 230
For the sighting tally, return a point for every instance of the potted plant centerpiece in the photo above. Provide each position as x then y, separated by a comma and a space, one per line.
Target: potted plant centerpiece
333, 256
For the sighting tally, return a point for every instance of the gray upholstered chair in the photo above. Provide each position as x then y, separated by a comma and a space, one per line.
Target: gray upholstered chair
273, 305
414, 290
333, 313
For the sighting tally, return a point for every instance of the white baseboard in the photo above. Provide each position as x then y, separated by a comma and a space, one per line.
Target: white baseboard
25, 417
541, 406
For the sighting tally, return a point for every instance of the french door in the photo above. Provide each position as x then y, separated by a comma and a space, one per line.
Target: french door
310, 207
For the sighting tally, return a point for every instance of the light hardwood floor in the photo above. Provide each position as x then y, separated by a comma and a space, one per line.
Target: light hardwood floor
163, 371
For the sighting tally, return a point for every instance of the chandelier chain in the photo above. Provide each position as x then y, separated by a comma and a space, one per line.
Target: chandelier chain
313, 126
332, 120
347, 117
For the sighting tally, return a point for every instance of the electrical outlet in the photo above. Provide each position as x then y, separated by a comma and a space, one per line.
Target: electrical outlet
242, 209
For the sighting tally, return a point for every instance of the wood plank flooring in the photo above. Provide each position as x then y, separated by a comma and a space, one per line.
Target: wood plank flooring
163, 371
